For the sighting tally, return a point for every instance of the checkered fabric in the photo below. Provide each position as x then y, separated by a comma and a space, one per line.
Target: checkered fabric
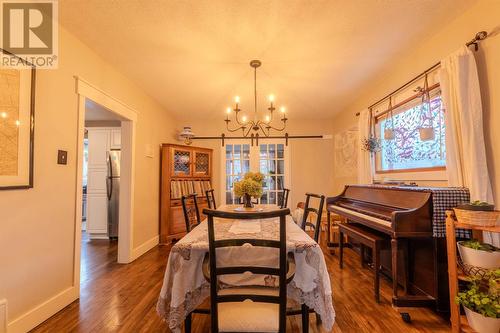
443, 199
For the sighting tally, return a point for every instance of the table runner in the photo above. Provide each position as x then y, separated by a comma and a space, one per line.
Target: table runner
184, 287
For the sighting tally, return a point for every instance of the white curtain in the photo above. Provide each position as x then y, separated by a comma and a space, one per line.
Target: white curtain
365, 174
465, 149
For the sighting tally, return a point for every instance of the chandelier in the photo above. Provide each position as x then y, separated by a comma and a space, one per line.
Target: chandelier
256, 125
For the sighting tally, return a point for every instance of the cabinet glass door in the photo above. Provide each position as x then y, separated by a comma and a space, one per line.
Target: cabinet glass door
181, 162
201, 163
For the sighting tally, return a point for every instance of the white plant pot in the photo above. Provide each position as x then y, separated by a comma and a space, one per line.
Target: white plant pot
388, 134
426, 133
482, 324
479, 258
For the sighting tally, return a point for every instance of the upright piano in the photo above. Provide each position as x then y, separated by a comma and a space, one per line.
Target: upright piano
409, 216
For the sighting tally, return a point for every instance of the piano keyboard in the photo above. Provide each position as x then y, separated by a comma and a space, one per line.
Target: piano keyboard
385, 223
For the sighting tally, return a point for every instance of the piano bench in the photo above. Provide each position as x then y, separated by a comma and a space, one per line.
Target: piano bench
369, 238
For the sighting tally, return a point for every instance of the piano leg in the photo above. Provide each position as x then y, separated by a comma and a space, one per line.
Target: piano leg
394, 268
341, 249
376, 271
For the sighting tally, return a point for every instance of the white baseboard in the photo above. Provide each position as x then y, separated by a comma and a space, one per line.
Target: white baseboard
3, 316
42, 312
145, 247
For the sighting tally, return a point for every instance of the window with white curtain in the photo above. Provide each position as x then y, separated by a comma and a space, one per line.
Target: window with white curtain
271, 158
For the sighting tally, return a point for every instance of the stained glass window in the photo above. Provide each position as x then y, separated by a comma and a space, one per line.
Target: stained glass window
407, 150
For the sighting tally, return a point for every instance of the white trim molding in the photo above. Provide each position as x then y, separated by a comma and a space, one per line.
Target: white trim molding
40, 313
145, 247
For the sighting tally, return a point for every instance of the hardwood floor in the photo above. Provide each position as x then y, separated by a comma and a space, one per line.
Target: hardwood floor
122, 298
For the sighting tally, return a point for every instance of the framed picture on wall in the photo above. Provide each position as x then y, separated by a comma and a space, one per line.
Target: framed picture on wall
17, 121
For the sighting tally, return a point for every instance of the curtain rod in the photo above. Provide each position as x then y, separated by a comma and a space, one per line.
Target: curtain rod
256, 138
475, 41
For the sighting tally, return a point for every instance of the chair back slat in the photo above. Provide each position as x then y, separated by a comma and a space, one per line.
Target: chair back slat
318, 211
284, 198
211, 199
241, 242
216, 271
191, 211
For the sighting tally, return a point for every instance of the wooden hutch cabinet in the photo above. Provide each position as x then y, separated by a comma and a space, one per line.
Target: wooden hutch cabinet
184, 170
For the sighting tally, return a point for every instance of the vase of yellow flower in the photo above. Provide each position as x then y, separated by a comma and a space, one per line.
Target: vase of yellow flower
250, 186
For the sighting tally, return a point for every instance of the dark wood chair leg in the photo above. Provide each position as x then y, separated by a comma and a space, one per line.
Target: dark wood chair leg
376, 271
318, 319
305, 318
187, 323
341, 249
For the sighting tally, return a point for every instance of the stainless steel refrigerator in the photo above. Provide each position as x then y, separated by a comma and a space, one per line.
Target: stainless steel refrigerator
113, 191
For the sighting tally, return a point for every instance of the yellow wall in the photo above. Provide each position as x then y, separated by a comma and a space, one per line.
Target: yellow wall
311, 159
482, 16
37, 225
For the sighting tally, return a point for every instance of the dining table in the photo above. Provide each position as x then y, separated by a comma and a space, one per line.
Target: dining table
185, 287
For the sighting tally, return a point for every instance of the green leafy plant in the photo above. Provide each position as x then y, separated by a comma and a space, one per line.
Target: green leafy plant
479, 203
476, 245
251, 184
371, 144
483, 298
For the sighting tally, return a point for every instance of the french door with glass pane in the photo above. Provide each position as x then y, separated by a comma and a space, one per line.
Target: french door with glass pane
270, 158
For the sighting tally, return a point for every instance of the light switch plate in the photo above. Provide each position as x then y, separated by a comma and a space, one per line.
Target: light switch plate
62, 157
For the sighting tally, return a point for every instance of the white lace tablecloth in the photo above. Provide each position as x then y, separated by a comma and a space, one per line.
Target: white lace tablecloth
184, 287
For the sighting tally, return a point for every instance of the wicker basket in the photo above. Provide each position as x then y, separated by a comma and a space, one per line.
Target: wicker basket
477, 217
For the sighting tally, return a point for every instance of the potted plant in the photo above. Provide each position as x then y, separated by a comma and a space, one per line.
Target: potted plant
477, 205
481, 304
479, 254
371, 144
250, 186
477, 213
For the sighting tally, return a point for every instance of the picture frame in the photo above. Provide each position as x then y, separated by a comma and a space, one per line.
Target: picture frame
17, 124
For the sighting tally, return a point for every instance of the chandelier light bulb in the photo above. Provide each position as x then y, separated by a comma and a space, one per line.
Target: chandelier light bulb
18, 123
271, 98
237, 99
282, 109
244, 119
4, 114
268, 118
228, 110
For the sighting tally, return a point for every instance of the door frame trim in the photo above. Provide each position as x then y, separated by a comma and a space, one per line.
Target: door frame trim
86, 90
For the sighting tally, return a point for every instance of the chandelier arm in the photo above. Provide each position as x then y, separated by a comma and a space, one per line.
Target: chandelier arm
278, 129
266, 134
234, 129
248, 131
238, 120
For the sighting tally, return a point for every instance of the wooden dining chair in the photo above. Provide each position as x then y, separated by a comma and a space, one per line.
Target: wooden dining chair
318, 211
284, 198
211, 199
229, 311
191, 211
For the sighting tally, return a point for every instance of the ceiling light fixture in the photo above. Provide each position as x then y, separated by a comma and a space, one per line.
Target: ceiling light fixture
264, 125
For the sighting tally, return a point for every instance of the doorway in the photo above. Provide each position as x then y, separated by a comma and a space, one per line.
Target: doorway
116, 117
101, 174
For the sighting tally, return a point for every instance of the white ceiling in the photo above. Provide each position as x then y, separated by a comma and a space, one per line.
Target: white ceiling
192, 56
